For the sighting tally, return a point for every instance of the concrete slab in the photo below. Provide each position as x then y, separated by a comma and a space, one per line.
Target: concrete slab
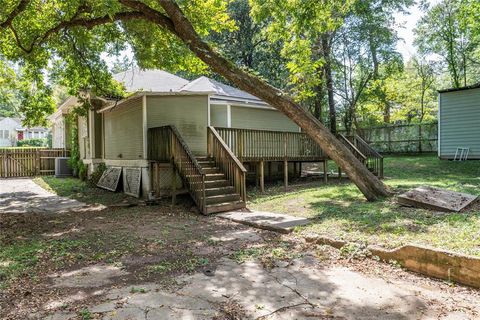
302, 290
436, 199
25, 196
278, 222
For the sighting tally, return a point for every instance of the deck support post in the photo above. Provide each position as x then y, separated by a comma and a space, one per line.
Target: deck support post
285, 173
174, 185
300, 169
262, 176
339, 173
325, 169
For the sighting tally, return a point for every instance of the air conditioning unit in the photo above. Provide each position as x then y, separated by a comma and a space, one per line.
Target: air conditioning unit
61, 167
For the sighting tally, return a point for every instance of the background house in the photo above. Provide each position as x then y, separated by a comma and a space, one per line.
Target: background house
12, 131
8, 131
459, 121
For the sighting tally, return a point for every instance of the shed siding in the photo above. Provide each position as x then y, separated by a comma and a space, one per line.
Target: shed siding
459, 116
188, 113
218, 115
254, 118
124, 131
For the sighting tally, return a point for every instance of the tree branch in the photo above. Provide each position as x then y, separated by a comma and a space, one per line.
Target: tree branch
22, 5
78, 22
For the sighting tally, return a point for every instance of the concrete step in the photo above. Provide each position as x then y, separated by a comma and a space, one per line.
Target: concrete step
223, 198
222, 207
217, 191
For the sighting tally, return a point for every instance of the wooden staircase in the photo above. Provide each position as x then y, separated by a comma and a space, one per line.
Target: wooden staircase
216, 183
365, 153
220, 194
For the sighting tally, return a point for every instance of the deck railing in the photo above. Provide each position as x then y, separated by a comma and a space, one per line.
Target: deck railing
166, 144
229, 164
253, 145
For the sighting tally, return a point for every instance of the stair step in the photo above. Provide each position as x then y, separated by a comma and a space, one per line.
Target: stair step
217, 191
227, 206
217, 184
223, 198
214, 176
209, 170
206, 164
203, 158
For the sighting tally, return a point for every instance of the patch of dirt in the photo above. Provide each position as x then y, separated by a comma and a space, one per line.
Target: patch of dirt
143, 243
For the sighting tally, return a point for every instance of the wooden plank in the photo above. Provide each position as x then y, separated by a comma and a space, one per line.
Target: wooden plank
262, 176
436, 199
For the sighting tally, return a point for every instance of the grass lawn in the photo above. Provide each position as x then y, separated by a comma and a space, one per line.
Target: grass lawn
339, 210
79, 190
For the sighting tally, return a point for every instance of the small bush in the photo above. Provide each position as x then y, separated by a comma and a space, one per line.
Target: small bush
97, 173
34, 142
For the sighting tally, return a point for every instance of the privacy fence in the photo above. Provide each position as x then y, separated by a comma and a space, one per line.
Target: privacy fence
27, 162
408, 138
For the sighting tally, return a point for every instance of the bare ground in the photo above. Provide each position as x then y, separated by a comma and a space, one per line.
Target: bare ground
172, 263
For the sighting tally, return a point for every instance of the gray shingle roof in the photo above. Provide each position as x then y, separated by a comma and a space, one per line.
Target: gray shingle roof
210, 86
150, 80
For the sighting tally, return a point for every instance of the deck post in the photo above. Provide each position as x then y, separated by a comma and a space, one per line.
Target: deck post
285, 173
325, 169
174, 185
262, 176
339, 173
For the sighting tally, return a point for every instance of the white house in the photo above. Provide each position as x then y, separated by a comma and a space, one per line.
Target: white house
8, 131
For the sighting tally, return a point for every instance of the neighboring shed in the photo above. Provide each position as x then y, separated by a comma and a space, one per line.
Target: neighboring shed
459, 121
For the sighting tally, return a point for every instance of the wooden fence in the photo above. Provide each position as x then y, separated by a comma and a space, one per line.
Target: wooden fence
28, 162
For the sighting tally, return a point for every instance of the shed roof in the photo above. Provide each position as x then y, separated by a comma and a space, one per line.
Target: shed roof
473, 86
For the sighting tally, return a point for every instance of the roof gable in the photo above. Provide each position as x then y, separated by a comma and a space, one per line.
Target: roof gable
210, 86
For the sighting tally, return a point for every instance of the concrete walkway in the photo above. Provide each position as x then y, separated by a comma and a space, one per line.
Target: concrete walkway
24, 195
278, 222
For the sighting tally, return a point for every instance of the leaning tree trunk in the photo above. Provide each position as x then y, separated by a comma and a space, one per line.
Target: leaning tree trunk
366, 181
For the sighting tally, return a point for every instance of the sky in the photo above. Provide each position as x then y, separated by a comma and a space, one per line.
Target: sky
407, 23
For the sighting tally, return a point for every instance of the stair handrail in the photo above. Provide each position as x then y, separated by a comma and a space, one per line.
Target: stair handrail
186, 148
358, 154
366, 146
230, 165
375, 158
174, 149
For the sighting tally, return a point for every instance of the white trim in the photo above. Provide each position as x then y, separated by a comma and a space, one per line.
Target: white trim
229, 116
144, 124
91, 131
209, 117
439, 120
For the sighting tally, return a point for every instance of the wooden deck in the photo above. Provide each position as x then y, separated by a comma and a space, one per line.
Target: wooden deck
218, 182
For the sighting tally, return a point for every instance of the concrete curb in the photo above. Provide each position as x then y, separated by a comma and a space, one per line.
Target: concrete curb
424, 260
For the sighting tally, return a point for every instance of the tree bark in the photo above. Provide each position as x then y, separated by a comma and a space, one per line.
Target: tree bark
366, 181
326, 48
